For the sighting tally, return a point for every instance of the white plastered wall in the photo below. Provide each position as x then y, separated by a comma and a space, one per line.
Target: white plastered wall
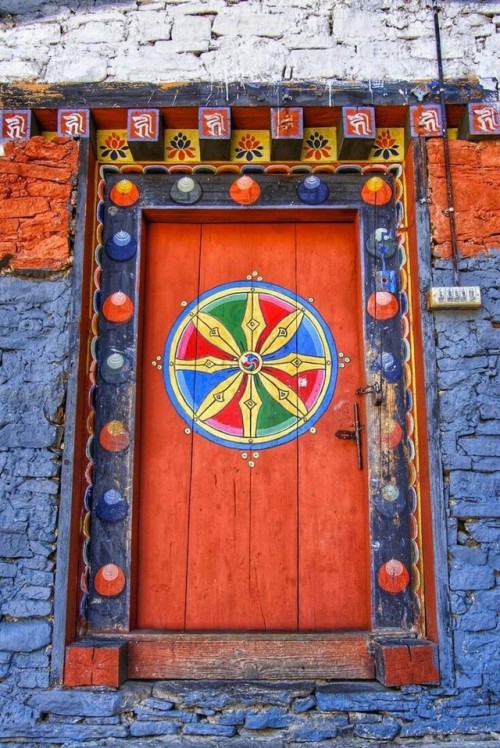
238, 40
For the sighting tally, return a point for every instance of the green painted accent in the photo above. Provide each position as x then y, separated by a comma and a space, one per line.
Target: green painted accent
230, 311
273, 418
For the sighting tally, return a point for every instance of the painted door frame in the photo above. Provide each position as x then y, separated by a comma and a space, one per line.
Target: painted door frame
353, 195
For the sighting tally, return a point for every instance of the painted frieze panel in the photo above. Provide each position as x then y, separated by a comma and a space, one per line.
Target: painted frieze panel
250, 147
73, 123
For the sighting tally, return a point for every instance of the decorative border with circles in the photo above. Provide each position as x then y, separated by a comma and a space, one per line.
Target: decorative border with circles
376, 191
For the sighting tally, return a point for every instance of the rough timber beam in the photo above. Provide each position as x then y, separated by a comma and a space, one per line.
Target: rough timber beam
366, 93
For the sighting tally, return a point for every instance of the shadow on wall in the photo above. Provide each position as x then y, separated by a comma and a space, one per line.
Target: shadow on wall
27, 9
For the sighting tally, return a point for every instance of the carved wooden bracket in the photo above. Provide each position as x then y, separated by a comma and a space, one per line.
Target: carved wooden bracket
95, 665
404, 662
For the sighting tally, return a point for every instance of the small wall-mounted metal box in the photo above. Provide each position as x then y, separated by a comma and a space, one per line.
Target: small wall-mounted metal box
454, 297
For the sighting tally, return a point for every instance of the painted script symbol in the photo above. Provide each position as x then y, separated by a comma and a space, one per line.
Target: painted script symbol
143, 125
16, 126
215, 124
286, 123
429, 121
360, 123
74, 123
487, 119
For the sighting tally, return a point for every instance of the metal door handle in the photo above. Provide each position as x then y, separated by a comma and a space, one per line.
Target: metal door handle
355, 435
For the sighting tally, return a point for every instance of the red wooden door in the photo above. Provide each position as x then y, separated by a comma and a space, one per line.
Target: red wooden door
251, 536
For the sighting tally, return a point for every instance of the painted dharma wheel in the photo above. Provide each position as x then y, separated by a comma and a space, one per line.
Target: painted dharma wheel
250, 364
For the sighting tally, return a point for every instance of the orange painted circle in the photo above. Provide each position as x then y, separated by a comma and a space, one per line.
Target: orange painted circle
393, 577
382, 305
376, 192
118, 307
244, 191
391, 435
124, 193
114, 437
109, 580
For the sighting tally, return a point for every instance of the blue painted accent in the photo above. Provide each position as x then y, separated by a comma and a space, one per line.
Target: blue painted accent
112, 506
120, 249
313, 191
392, 368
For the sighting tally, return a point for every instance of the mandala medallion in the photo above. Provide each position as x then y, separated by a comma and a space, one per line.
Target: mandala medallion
250, 364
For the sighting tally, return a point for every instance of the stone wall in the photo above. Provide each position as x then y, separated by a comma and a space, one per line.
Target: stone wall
475, 187
36, 180
223, 40
34, 342
253, 40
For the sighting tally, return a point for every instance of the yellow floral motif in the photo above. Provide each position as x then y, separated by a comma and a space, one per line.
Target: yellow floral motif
250, 146
112, 147
182, 146
319, 145
389, 145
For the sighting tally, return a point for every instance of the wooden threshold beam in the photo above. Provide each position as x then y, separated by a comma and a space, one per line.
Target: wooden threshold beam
250, 656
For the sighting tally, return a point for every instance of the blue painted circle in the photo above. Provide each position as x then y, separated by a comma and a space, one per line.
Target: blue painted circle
112, 506
313, 191
121, 247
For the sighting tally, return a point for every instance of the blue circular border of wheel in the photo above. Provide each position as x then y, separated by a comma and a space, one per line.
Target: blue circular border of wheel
250, 365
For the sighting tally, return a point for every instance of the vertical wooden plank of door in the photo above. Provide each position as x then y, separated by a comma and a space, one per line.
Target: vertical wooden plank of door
242, 539
171, 276
334, 583
274, 478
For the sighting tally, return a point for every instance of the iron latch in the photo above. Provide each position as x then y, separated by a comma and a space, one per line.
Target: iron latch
354, 435
375, 390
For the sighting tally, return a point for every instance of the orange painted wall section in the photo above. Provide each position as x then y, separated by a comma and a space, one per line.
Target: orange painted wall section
475, 169
36, 180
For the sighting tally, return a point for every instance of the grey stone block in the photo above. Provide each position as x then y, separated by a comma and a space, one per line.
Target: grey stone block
24, 636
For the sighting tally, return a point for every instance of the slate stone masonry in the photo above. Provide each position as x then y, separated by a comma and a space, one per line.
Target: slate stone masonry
33, 338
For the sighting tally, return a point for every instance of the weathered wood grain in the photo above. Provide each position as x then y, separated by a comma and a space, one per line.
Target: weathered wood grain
204, 656
306, 94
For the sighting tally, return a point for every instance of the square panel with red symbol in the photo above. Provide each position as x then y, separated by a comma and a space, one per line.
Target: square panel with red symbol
287, 123
358, 122
16, 125
214, 123
426, 121
143, 125
73, 123
484, 119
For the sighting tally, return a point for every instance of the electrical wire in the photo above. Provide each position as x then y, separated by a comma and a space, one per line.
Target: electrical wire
446, 148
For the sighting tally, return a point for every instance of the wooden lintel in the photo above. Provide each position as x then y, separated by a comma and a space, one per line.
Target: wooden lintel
253, 656
90, 664
307, 94
403, 662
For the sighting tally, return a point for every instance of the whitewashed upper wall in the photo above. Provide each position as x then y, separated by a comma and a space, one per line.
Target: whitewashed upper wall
233, 40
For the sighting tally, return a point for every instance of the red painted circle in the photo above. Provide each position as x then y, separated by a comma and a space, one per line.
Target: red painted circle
244, 191
382, 305
376, 192
124, 193
118, 307
391, 435
114, 437
393, 577
109, 580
